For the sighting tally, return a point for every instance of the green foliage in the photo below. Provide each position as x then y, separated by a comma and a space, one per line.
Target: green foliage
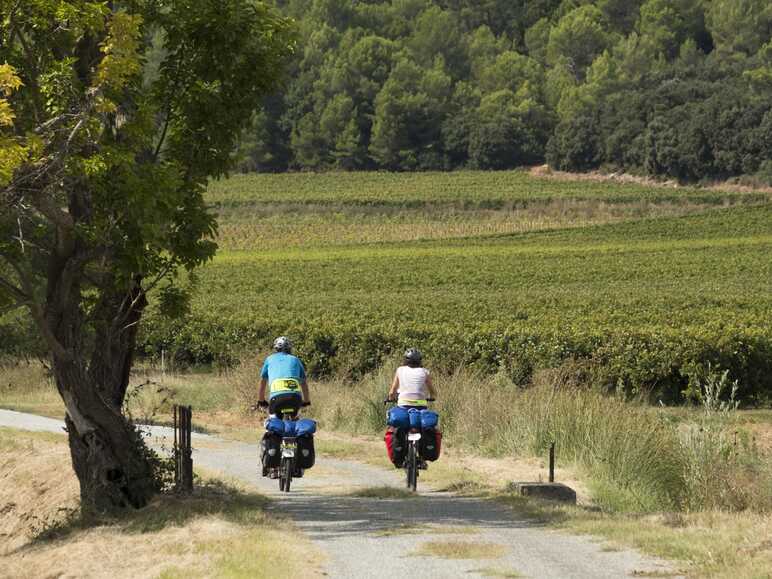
647, 304
359, 98
137, 144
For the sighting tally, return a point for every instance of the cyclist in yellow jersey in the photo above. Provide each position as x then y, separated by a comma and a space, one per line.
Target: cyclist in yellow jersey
284, 376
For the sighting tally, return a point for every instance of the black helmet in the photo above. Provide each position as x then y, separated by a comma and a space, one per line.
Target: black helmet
282, 344
413, 356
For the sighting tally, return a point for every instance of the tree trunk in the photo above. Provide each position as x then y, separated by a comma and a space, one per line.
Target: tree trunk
108, 456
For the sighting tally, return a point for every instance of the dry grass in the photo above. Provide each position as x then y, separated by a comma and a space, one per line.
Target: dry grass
426, 529
382, 492
220, 531
495, 572
460, 550
37, 487
625, 456
712, 544
27, 386
316, 226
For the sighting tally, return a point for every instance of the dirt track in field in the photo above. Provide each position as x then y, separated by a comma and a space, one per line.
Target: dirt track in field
433, 534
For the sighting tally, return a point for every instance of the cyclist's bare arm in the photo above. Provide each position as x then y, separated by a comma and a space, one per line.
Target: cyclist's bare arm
430, 386
394, 387
261, 391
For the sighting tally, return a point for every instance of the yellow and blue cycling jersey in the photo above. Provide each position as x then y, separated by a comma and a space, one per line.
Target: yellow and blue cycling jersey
284, 373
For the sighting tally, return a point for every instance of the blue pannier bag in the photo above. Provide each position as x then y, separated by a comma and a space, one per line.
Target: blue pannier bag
290, 428
275, 425
305, 427
415, 418
429, 419
397, 417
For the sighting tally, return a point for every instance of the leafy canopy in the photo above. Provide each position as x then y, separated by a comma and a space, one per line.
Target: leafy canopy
113, 116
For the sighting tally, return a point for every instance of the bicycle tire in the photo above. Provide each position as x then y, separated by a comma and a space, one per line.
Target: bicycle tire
285, 474
412, 468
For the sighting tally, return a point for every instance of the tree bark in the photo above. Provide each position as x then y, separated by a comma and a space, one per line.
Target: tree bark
108, 455
92, 373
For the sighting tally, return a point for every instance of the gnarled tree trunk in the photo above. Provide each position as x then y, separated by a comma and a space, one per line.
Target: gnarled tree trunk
92, 376
106, 452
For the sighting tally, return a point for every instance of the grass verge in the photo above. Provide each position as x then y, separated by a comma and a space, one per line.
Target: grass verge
382, 492
717, 522
460, 550
222, 530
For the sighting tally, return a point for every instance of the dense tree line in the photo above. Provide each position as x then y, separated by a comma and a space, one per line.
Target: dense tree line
680, 88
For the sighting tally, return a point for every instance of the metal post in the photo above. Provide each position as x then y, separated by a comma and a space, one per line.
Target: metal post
552, 462
176, 449
183, 448
188, 483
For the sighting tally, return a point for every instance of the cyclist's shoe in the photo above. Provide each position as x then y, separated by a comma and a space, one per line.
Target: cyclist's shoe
265, 470
422, 465
298, 473
273, 473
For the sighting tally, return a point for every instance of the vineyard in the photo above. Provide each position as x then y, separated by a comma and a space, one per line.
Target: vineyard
638, 288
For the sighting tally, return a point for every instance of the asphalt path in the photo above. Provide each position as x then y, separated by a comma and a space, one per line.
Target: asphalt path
377, 538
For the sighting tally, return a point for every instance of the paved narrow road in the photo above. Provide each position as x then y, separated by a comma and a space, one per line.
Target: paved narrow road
373, 538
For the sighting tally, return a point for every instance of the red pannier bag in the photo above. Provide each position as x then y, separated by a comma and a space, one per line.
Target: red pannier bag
432, 444
395, 444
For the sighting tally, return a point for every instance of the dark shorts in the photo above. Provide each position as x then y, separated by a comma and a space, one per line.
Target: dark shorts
285, 402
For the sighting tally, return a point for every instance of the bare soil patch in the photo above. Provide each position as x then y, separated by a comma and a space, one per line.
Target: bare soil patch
545, 171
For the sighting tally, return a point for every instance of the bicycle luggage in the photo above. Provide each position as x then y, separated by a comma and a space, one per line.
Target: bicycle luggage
305, 427
429, 419
306, 454
275, 425
431, 444
271, 449
414, 417
398, 417
395, 445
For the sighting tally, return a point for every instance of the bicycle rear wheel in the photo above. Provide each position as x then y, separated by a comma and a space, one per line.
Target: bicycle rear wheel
411, 466
285, 474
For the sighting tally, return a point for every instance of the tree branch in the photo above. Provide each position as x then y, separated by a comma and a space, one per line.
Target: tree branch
12, 307
168, 109
39, 315
45, 205
15, 291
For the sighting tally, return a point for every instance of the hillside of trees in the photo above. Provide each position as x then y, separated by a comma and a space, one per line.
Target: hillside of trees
675, 88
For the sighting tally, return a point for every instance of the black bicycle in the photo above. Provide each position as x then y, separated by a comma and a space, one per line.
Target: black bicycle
288, 451
413, 459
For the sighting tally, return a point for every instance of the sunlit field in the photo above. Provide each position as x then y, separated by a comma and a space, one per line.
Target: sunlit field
490, 270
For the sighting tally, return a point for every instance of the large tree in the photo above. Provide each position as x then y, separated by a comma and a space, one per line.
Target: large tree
113, 115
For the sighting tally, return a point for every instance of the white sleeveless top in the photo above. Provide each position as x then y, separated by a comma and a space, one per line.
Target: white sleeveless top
412, 383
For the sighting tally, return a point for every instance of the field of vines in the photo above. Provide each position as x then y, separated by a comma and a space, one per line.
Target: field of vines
636, 288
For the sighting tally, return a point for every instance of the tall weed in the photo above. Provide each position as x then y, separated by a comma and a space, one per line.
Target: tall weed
636, 458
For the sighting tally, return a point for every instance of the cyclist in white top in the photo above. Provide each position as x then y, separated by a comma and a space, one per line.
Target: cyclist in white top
412, 382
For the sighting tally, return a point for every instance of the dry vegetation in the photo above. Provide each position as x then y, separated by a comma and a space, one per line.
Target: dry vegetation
320, 226
716, 495
221, 531
460, 550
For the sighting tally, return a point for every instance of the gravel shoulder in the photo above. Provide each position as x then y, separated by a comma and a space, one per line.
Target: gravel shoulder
433, 534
